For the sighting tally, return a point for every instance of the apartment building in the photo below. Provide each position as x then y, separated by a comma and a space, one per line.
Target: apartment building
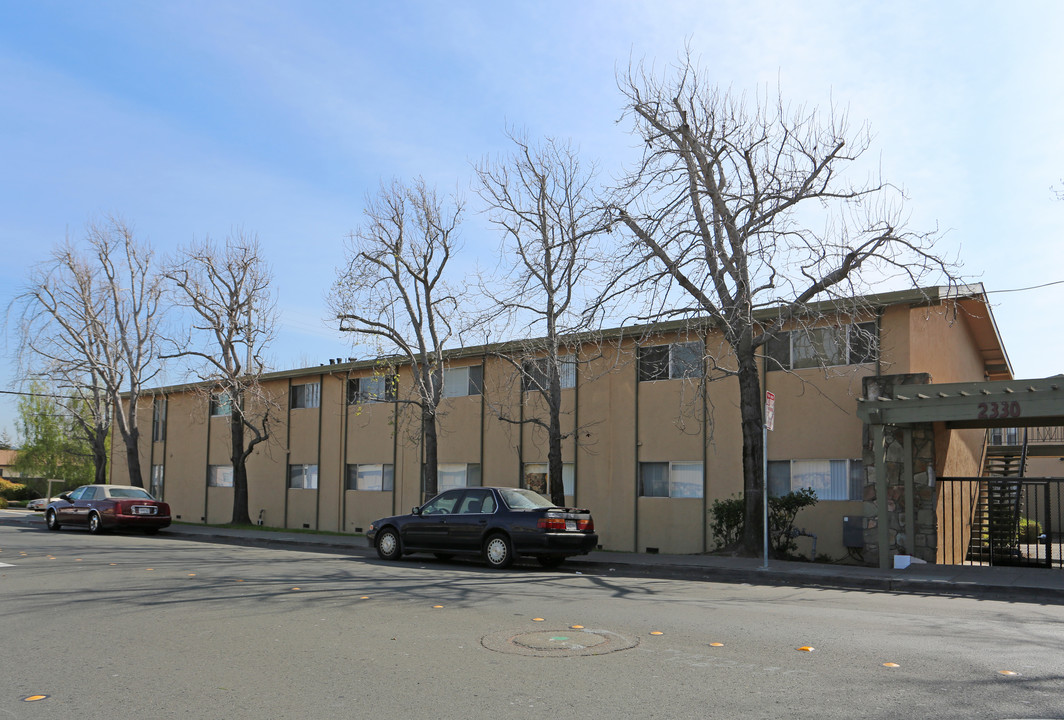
652, 424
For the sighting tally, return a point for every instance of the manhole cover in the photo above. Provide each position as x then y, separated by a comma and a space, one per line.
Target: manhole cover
558, 643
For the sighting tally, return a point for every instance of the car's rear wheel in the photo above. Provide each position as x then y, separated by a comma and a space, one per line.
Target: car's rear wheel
51, 521
95, 524
551, 561
388, 546
498, 552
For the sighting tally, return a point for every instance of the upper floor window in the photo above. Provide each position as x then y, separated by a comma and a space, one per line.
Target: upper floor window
671, 362
457, 475
307, 395
823, 347
158, 419
535, 375
377, 388
461, 381
221, 404
220, 476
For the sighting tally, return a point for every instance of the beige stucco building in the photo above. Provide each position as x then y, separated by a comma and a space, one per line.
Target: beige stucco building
654, 433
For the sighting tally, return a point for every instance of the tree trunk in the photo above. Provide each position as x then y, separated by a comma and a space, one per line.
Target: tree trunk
99, 458
554, 437
428, 431
753, 450
132, 439
241, 516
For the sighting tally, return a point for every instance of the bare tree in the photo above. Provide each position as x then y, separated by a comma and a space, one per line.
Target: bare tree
544, 201
740, 208
228, 291
90, 322
393, 290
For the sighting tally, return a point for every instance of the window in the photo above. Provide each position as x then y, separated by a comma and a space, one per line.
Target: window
829, 479
158, 419
477, 502
534, 374
371, 477
671, 362
307, 395
673, 480
443, 504
536, 478
378, 388
157, 481
458, 382
220, 476
220, 404
823, 347
457, 475
303, 477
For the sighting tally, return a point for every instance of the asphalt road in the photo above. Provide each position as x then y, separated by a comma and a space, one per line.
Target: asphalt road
127, 626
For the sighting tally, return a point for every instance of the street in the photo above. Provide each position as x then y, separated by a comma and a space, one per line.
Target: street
129, 626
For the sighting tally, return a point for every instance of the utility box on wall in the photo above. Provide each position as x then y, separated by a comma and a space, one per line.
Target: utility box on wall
852, 532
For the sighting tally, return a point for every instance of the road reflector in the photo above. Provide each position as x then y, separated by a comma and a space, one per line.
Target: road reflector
576, 627
34, 698
1007, 672
192, 574
656, 632
537, 619
716, 644
297, 588
806, 648
364, 597
891, 665
436, 607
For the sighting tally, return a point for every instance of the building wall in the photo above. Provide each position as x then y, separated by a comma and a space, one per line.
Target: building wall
615, 422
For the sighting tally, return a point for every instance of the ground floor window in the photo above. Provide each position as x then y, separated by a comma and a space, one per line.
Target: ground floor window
457, 475
829, 479
156, 481
220, 476
670, 479
535, 478
371, 477
303, 477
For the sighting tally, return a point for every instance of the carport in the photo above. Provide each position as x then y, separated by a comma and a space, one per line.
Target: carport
925, 453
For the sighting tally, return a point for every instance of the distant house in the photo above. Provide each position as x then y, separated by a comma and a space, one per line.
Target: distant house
7, 463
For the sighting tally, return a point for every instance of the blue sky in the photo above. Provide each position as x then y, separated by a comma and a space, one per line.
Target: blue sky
195, 118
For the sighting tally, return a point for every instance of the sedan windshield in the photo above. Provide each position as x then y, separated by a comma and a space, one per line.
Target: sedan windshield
135, 493
520, 499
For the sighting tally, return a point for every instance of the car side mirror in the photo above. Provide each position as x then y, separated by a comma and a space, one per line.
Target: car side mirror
415, 511
64, 496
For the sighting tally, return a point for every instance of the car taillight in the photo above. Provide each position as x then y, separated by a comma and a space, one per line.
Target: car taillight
121, 507
585, 525
551, 523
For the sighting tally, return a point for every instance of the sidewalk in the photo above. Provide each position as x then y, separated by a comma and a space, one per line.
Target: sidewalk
998, 583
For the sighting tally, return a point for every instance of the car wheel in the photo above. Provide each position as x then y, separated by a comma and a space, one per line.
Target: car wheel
95, 526
51, 521
498, 551
443, 556
551, 561
388, 547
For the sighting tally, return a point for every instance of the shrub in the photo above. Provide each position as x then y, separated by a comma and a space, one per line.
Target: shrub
3, 502
728, 520
1029, 530
17, 491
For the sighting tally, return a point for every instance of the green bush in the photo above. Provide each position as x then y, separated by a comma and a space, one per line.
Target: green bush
3, 502
728, 519
17, 491
1029, 530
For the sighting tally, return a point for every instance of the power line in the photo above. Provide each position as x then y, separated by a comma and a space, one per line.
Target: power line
1033, 287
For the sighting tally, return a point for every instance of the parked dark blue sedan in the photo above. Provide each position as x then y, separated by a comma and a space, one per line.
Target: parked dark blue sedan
496, 523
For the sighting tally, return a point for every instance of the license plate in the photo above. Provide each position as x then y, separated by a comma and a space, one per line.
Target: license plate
570, 525
143, 510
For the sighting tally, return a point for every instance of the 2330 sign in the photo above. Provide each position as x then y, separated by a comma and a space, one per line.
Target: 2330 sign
999, 410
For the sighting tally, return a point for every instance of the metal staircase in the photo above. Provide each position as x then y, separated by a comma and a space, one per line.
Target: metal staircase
996, 518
